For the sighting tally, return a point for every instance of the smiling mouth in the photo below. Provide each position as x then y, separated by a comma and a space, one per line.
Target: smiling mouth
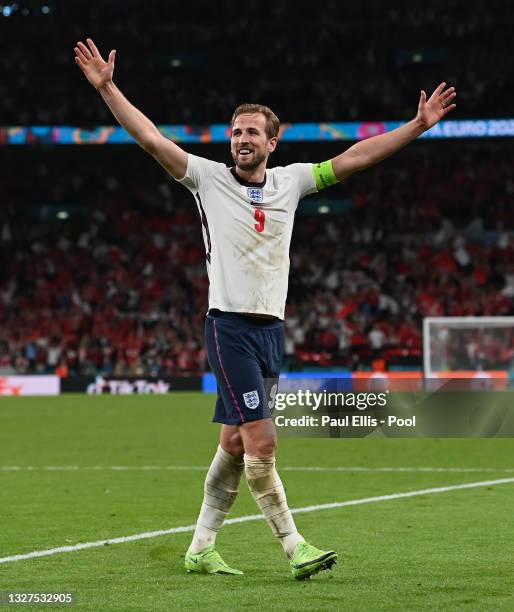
245, 151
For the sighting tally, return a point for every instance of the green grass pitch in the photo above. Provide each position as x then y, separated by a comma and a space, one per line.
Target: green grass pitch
446, 551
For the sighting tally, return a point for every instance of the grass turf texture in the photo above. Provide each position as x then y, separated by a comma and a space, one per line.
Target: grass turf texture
447, 551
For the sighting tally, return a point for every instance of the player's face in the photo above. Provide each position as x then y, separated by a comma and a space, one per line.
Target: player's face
249, 143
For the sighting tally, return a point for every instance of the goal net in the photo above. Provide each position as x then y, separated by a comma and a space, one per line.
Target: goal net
468, 347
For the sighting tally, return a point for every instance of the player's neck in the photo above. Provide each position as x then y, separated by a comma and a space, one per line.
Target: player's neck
252, 176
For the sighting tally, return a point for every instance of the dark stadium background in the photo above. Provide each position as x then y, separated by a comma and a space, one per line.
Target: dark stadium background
102, 262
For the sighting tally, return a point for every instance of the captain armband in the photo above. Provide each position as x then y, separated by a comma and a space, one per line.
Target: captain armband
324, 174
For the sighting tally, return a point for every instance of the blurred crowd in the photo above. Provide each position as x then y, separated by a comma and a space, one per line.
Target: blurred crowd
489, 346
194, 62
103, 268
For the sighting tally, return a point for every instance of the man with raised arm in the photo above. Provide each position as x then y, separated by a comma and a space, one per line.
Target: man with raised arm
247, 213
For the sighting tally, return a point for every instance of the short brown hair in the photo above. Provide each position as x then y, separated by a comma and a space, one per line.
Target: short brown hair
272, 122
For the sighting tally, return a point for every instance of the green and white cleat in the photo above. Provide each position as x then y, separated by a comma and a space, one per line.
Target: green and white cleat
208, 561
309, 560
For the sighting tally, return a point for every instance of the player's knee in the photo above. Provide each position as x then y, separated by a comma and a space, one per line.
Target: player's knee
231, 441
235, 448
259, 439
263, 449
234, 445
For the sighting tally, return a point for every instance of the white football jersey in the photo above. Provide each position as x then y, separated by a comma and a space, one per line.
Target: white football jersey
247, 231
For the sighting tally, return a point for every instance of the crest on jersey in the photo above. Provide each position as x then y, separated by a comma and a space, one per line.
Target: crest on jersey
255, 194
251, 399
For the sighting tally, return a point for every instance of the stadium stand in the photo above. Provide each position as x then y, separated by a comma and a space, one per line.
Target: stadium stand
103, 262
193, 62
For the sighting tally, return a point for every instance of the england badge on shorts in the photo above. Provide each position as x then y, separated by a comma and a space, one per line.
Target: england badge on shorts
251, 399
255, 194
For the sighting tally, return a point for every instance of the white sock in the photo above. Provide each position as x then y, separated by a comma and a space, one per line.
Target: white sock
268, 491
220, 491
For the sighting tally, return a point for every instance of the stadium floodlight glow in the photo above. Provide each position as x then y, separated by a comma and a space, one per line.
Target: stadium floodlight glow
9, 9
470, 346
62, 214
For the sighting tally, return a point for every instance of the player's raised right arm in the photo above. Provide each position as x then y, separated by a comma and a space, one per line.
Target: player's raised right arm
99, 73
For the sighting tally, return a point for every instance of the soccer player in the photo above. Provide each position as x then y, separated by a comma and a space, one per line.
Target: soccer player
247, 214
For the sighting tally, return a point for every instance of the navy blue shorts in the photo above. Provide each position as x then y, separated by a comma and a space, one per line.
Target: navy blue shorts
245, 354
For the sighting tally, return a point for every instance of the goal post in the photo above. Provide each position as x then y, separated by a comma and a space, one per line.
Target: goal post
468, 346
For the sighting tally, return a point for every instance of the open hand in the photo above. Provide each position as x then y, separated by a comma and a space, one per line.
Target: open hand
436, 107
98, 71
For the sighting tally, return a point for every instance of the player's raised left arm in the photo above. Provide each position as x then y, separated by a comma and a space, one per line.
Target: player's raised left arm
373, 150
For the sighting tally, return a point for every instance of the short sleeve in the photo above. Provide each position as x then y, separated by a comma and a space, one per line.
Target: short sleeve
198, 169
304, 176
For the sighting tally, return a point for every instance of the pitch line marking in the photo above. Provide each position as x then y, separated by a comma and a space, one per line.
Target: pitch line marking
253, 517
202, 468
